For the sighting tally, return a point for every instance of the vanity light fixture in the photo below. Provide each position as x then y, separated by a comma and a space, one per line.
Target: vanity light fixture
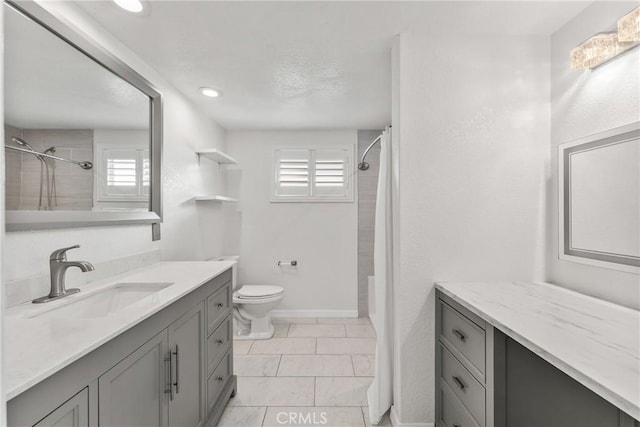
134, 6
597, 50
629, 26
211, 93
607, 45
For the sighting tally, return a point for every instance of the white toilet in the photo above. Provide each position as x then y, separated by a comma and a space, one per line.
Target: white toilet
252, 305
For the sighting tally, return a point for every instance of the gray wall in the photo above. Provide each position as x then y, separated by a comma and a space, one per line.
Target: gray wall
367, 189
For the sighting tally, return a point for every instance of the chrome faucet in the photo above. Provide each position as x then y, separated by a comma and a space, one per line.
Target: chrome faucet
58, 266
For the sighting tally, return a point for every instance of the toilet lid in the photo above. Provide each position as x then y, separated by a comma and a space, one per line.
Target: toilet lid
256, 291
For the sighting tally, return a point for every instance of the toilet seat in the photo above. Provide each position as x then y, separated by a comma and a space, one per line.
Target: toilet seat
258, 291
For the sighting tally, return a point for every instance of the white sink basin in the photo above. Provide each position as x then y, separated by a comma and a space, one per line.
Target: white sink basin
106, 301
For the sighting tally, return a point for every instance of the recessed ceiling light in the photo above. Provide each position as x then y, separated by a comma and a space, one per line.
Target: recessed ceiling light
134, 6
211, 93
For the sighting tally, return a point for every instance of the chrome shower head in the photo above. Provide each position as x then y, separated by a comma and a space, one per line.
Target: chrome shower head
86, 165
22, 142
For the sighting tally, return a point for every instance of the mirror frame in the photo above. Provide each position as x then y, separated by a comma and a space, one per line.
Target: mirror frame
628, 263
46, 220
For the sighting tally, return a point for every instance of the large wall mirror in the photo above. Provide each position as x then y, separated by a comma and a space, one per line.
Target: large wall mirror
600, 199
82, 130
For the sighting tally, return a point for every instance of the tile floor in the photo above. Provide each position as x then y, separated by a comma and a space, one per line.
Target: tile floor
312, 372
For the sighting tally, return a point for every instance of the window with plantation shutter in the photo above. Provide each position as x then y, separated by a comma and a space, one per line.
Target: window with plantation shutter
312, 175
123, 173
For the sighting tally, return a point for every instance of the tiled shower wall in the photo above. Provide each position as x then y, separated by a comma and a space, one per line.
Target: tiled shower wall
367, 189
73, 185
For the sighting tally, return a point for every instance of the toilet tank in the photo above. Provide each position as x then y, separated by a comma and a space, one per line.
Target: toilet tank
234, 268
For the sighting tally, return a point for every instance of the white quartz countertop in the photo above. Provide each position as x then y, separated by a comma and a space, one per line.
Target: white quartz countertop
35, 348
595, 342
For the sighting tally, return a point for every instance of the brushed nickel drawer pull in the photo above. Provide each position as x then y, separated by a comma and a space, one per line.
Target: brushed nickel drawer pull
177, 383
170, 389
220, 342
461, 336
219, 305
220, 379
459, 382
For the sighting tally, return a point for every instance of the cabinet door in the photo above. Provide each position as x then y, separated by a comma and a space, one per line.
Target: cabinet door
187, 338
132, 393
73, 413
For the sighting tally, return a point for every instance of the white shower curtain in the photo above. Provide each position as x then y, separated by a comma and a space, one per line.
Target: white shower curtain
380, 393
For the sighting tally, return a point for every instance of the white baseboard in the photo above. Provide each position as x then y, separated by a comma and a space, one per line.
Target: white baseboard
323, 314
396, 422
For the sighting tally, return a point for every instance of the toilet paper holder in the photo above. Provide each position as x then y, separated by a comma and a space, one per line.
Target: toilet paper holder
292, 263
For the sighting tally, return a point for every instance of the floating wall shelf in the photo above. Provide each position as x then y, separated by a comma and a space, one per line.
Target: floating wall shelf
215, 199
217, 156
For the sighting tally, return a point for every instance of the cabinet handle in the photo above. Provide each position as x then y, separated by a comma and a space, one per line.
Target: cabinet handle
177, 370
461, 336
459, 382
219, 305
170, 360
220, 342
220, 378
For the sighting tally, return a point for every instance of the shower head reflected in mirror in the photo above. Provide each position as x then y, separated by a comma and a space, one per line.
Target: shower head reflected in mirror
29, 149
22, 142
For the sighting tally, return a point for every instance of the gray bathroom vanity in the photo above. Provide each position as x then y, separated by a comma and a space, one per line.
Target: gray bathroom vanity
532, 355
165, 359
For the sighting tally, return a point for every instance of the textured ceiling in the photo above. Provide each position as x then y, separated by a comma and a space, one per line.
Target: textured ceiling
302, 65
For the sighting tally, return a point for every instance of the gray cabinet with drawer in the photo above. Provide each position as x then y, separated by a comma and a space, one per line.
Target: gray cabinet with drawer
159, 372
486, 379
465, 381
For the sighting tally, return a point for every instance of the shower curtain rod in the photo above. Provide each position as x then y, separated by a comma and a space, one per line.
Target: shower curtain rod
363, 166
83, 165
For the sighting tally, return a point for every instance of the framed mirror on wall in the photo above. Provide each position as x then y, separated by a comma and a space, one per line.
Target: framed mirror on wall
83, 131
599, 188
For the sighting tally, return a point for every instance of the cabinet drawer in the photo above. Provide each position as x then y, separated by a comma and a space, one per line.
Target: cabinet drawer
218, 307
464, 336
218, 379
466, 388
219, 343
452, 412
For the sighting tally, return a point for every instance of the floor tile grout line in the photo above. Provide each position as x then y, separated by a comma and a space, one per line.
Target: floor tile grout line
264, 416
278, 368
353, 365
